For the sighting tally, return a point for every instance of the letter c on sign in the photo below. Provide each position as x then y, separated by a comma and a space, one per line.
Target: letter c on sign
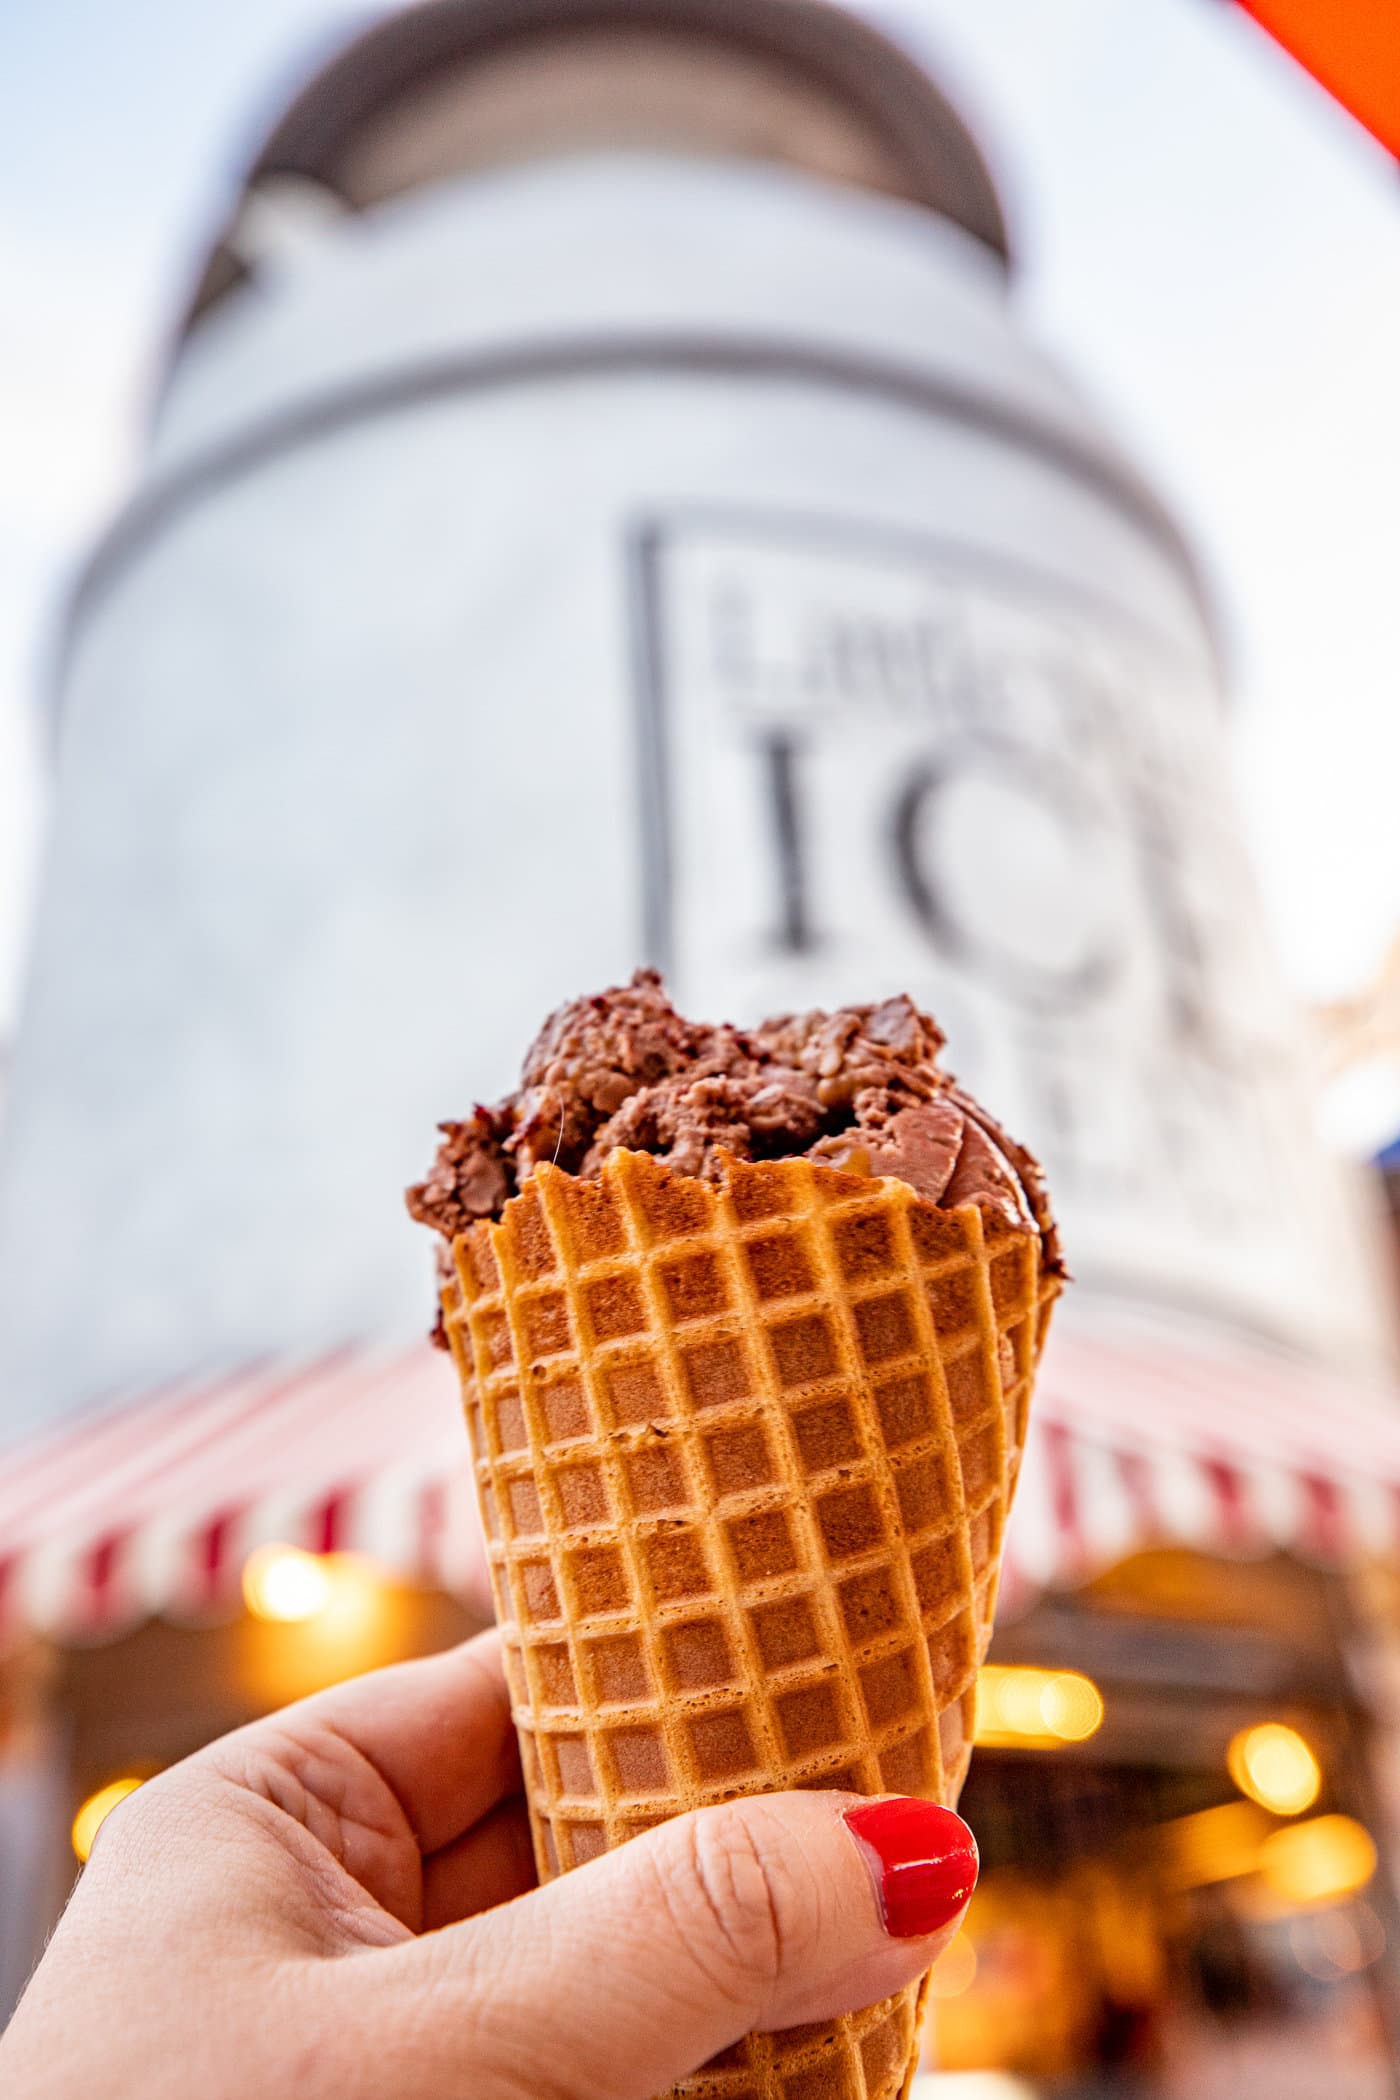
1000, 853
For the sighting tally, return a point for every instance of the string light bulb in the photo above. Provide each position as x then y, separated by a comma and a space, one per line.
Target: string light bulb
285, 1584
1318, 1862
1036, 1709
1275, 1767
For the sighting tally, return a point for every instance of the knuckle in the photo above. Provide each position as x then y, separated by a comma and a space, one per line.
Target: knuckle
733, 1897
140, 1826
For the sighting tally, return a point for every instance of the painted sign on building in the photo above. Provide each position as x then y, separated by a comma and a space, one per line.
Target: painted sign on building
876, 761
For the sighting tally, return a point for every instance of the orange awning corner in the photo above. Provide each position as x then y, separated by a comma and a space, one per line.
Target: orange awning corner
1352, 47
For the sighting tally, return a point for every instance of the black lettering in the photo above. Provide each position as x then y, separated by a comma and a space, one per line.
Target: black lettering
779, 751
913, 822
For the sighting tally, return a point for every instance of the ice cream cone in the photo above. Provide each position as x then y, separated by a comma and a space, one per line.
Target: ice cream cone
745, 1453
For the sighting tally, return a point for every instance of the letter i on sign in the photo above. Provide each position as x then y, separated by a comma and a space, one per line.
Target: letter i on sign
780, 752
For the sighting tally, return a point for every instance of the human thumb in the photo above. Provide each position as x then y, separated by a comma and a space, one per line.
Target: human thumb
632, 1971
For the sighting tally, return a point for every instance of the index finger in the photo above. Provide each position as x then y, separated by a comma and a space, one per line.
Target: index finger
438, 1731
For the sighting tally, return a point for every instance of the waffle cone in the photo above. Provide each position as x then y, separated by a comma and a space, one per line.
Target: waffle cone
745, 1454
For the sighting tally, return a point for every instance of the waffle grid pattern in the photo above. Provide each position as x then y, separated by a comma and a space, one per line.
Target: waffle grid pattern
745, 1456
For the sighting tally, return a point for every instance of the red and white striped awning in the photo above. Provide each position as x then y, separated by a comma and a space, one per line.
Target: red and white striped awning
153, 1507
1139, 1437
1147, 1434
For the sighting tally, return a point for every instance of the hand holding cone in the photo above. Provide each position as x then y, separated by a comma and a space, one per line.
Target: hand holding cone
745, 1451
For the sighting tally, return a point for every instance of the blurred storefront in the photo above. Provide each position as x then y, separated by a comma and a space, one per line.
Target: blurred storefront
1188, 1902
1187, 1777
603, 507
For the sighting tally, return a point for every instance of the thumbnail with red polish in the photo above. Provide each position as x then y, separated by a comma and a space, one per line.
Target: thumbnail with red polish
924, 1858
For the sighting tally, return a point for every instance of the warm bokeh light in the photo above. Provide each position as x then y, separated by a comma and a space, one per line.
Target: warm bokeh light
1036, 1709
1214, 1844
316, 1619
1072, 1707
356, 1601
95, 1811
284, 1583
955, 1968
1319, 1861
1275, 1767
970, 2085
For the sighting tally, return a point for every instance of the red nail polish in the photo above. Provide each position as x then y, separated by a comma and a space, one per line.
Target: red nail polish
925, 1861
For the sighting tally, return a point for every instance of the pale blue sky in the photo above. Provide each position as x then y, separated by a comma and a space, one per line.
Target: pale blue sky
1209, 243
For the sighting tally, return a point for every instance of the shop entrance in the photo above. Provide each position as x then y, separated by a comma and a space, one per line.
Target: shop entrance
1190, 1900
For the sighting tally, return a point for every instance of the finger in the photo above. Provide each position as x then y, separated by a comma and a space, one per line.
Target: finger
762, 1913
438, 1731
487, 1866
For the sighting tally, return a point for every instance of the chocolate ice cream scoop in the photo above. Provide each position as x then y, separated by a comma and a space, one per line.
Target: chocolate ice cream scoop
859, 1088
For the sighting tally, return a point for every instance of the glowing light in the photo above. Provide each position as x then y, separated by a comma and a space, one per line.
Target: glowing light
357, 1596
285, 1584
1319, 1861
1036, 1709
955, 1968
1215, 1844
1275, 1767
95, 1811
1072, 1706
970, 2085
341, 1597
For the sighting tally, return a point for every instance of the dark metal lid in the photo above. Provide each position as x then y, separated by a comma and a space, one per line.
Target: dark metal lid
935, 161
